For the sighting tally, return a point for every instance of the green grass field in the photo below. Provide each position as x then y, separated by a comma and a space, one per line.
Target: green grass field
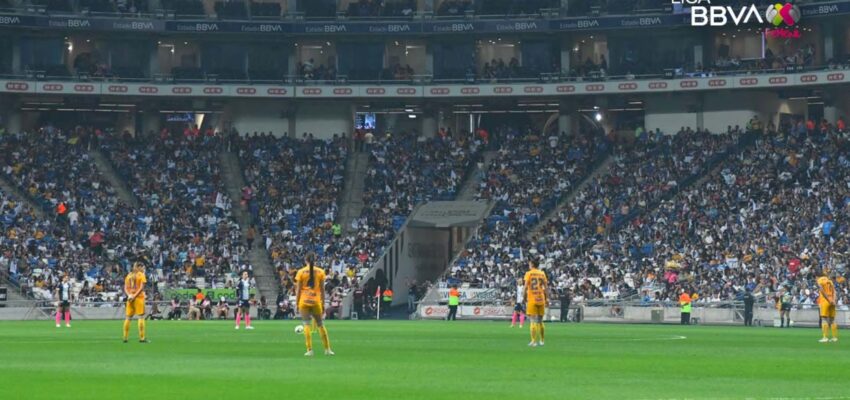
418, 360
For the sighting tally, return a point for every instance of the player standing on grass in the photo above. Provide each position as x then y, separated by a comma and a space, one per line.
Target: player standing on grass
826, 301
519, 312
63, 294
134, 288
785, 299
243, 297
309, 295
537, 297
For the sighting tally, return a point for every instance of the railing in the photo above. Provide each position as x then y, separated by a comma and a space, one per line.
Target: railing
165, 14
620, 311
424, 80
45, 310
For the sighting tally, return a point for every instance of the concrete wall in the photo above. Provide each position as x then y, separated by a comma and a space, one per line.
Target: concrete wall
717, 111
669, 112
256, 116
323, 120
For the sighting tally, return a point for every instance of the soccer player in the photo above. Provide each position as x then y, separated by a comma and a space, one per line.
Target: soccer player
309, 295
63, 294
243, 297
536, 297
519, 312
826, 301
134, 288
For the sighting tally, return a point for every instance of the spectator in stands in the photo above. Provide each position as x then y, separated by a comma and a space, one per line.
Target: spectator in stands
175, 312
222, 308
194, 313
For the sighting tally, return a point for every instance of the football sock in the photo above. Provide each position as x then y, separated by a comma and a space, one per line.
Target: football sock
835, 330
323, 333
533, 331
247, 319
825, 328
522, 319
542, 331
141, 329
67, 317
238, 319
513, 319
126, 328
308, 337
58, 318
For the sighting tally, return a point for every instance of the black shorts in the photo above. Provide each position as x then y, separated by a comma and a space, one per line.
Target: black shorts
785, 307
244, 303
65, 304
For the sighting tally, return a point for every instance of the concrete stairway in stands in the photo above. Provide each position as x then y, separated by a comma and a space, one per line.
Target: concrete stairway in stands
105, 167
18, 195
351, 204
601, 169
264, 272
470, 187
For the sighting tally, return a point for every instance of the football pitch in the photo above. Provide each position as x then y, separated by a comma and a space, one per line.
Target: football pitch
417, 360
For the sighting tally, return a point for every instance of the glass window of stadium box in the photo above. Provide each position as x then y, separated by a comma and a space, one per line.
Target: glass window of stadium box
841, 45
87, 57
375, 9
754, 49
185, 8
589, 57
95, 7
130, 58
268, 61
180, 59
636, 55
513, 59
227, 9
455, 60
317, 9
513, 7
316, 60
44, 57
361, 61
224, 62
404, 60
614, 7
271, 9
454, 8
5, 55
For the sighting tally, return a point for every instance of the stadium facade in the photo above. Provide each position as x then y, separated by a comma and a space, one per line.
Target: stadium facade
327, 67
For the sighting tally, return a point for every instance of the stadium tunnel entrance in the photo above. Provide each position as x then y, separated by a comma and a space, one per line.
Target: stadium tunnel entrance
429, 241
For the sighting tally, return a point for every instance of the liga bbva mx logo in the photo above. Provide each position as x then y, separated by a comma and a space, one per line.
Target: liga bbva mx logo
778, 14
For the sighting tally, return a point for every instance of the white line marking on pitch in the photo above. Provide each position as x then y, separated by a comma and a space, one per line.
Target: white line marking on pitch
676, 337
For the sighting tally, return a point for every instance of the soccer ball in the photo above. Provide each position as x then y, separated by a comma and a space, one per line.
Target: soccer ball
299, 329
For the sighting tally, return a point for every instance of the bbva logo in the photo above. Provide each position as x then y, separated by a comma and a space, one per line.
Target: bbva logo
708, 15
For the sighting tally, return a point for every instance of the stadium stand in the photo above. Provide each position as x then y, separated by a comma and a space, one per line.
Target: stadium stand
770, 220
185, 209
293, 193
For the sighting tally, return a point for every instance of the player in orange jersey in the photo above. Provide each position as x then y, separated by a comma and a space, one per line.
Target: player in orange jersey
134, 288
537, 298
309, 296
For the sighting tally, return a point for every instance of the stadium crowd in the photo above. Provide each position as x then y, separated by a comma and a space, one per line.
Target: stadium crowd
293, 192
87, 232
767, 219
185, 213
718, 214
527, 179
